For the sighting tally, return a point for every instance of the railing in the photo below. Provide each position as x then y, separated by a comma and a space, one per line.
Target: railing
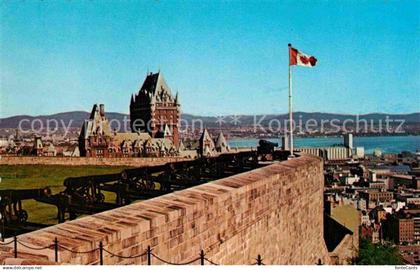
202, 256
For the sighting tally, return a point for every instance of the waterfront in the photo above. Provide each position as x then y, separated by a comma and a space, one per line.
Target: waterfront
388, 144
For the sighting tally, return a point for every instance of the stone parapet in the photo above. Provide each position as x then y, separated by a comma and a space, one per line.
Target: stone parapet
275, 211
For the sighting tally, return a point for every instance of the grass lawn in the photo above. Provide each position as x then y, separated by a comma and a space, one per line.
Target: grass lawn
346, 215
40, 176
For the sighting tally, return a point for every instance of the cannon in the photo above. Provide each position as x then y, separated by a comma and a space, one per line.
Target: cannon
266, 149
82, 195
13, 216
146, 182
11, 203
86, 194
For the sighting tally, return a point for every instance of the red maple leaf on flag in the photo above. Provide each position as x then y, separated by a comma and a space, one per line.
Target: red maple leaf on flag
312, 60
304, 59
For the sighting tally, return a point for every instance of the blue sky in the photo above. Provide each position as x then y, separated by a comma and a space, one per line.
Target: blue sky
223, 57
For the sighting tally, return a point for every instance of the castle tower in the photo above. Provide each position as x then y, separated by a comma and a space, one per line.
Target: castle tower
155, 110
95, 136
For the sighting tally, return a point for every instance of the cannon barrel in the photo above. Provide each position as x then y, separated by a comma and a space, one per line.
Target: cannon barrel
266, 148
24, 194
83, 180
267, 143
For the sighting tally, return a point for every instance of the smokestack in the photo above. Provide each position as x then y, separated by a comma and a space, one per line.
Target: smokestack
102, 109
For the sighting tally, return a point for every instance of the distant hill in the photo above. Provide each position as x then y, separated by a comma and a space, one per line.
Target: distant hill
77, 118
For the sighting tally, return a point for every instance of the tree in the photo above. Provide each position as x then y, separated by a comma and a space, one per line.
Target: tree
377, 254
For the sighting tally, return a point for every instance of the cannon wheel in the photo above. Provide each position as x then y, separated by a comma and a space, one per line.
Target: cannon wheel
22, 216
100, 197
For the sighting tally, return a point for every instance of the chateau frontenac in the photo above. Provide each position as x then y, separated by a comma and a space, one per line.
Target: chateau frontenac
155, 110
154, 121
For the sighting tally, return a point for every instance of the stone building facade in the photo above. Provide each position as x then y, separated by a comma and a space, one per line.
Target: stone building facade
376, 195
155, 110
95, 136
399, 227
405, 230
154, 121
97, 140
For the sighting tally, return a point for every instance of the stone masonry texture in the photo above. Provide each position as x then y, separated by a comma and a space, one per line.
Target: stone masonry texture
275, 211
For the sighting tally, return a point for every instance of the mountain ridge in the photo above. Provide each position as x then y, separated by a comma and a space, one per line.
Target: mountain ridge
78, 117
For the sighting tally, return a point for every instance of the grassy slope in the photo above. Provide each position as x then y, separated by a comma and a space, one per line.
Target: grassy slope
347, 215
39, 176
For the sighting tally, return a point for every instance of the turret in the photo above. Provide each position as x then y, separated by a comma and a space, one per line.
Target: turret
176, 99
102, 110
132, 100
94, 109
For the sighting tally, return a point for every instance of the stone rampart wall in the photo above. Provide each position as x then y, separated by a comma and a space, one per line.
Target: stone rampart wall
275, 211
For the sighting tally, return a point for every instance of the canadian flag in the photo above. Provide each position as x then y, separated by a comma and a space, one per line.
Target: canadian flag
299, 58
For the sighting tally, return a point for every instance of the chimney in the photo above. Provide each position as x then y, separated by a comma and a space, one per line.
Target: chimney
102, 109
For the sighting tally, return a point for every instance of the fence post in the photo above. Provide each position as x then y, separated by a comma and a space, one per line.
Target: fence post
149, 255
259, 260
15, 245
2, 227
56, 249
202, 257
101, 253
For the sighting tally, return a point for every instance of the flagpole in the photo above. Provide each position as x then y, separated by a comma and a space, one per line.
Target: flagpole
290, 106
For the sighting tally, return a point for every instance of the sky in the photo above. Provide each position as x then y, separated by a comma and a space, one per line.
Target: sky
227, 57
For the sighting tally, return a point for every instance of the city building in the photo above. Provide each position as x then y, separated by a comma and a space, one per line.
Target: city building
332, 153
155, 110
400, 228
364, 218
379, 174
360, 152
405, 230
348, 140
328, 153
95, 136
371, 232
402, 180
410, 253
50, 151
38, 146
416, 221
377, 153
376, 195
97, 140
377, 185
412, 200
378, 214
350, 180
